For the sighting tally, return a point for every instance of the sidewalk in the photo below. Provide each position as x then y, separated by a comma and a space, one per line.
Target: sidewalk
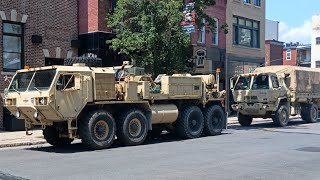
19, 138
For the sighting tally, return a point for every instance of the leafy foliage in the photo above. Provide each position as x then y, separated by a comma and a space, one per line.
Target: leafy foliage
150, 32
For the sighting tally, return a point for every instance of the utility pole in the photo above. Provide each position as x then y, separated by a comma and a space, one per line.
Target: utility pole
226, 104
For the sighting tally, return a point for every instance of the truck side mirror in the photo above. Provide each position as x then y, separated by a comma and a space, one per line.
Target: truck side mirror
59, 86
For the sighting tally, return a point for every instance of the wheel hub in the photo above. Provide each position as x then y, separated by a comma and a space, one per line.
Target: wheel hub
135, 127
101, 130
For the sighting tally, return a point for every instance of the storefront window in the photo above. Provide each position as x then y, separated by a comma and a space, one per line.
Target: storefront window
12, 46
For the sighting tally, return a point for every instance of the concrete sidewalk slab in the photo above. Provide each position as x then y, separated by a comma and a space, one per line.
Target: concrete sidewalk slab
19, 138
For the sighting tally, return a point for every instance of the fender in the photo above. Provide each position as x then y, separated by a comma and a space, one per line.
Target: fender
278, 103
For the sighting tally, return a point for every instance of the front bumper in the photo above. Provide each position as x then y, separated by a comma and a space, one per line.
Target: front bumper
258, 109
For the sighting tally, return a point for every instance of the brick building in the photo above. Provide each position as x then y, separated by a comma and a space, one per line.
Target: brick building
35, 33
273, 52
209, 48
297, 55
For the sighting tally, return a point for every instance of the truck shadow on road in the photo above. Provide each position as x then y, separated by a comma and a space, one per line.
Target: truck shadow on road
256, 125
77, 147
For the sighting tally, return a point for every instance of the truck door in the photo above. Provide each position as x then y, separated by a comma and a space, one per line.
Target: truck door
260, 88
276, 88
71, 95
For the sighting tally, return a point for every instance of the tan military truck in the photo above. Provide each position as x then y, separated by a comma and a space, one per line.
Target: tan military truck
99, 104
277, 92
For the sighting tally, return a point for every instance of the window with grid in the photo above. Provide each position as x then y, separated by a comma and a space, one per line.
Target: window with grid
202, 33
246, 32
13, 52
288, 54
247, 1
215, 34
257, 2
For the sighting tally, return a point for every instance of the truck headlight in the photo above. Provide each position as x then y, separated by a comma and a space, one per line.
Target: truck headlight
10, 102
42, 101
18, 114
35, 115
265, 106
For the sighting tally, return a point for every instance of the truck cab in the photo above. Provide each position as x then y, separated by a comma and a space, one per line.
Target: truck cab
257, 95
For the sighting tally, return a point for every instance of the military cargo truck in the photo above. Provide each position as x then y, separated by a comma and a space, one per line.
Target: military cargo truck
99, 104
277, 92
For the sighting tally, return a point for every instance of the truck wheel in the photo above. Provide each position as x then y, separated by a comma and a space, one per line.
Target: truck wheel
190, 124
244, 120
311, 114
89, 61
213, 120
281, 118
51, 135
97, 130
132, 128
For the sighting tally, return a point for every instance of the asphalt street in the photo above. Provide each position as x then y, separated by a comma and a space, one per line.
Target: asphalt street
258, 152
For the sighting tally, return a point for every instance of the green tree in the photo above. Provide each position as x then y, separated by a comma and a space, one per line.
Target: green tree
150, 32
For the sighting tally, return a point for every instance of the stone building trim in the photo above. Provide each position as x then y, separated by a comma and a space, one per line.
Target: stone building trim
58, 53
14, 16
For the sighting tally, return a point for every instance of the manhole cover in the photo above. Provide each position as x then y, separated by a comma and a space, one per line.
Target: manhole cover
309, 149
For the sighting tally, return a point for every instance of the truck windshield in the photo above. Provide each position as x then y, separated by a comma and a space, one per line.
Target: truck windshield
36, 80
243, 83
261, 82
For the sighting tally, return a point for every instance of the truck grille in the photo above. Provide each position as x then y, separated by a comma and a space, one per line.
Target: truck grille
251, 98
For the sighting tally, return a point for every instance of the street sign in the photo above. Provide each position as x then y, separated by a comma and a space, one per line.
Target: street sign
189, 29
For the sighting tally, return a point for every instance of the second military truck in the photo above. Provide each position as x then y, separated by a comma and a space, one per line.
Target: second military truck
99, 104
277, 92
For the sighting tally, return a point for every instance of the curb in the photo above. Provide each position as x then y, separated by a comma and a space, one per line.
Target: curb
23, 144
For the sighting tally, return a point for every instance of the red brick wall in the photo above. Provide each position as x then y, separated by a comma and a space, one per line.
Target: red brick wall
273, 53
293, 60
55, 20
92, 15
217, 11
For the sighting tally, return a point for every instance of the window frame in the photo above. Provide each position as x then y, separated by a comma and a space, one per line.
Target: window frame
237, 28
202, 33
204, 57
317, 40
257, 3
246, 1
21, 36
288, 51
216, 33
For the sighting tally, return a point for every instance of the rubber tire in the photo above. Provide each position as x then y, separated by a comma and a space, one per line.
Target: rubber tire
244, 120
86, 130
182, 127
210, 115
276, 118
51, 135
306, 115
89, 61
123, 128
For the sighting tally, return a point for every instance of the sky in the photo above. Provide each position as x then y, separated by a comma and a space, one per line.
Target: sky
294, 17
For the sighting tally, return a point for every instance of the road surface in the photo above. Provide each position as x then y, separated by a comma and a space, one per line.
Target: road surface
258, 152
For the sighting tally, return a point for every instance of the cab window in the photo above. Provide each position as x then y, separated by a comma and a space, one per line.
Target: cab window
261, 82
66, 81
275, 82
243, 83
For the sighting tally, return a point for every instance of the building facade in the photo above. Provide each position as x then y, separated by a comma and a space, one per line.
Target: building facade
297, 55
273, 53
315, 42
209, 48
245, 47
34, 33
